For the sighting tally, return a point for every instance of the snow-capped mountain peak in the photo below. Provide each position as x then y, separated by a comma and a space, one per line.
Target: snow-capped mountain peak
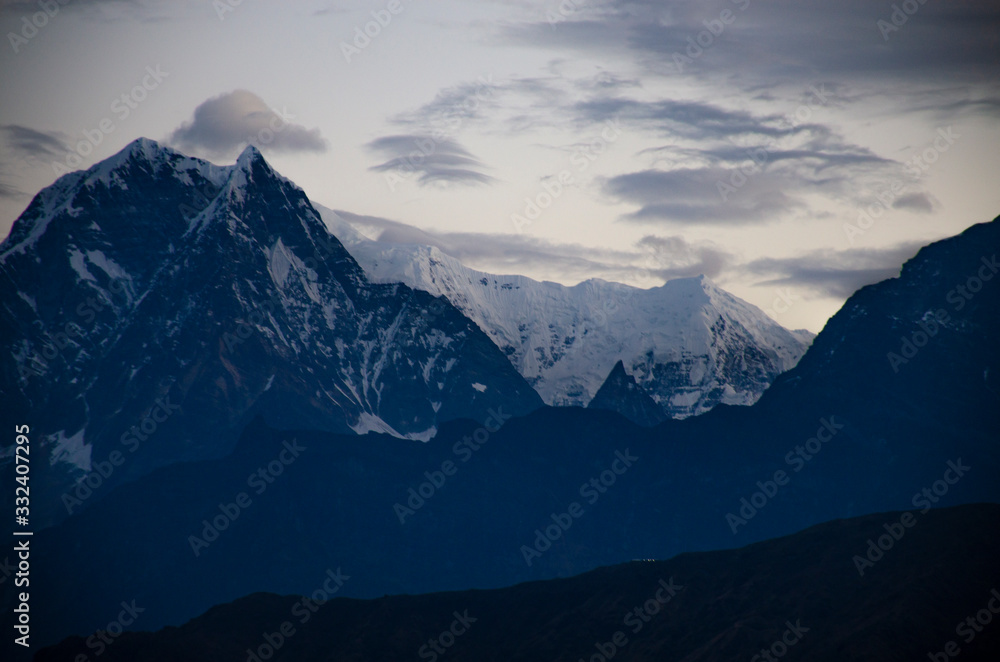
688, 343
155, 276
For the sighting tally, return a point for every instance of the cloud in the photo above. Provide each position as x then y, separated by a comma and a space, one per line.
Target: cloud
432, 159
944, 58
724, 166
32, 142
840, 39
7, 191
689, 119
687, 195
452, 107
830, 273
225, 124
676, 257
105, 10
918, 202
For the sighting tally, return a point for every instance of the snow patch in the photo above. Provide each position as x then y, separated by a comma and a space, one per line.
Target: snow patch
688, 399
279, 263
368, 422
71, 450
108, 266
30, 300
78, 261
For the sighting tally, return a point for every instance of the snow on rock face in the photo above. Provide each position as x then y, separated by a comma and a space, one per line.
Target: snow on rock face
688, 343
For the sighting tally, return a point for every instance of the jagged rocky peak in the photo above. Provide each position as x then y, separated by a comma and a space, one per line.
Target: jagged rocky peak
620, 393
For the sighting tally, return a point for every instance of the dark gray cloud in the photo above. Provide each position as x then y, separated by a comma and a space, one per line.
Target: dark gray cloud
222, 126
7, 191
689, 119
452, 107
692, 195
736, 167
427, 159
428, 151
606, 81
830, 273
945, 103
676, 257
32, 142
108, 10
770, 40
919, 202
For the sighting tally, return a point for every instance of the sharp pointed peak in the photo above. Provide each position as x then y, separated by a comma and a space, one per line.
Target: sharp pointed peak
250, 156
145, 149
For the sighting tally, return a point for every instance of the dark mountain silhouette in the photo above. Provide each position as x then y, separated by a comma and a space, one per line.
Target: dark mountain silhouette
621, 393
800, 597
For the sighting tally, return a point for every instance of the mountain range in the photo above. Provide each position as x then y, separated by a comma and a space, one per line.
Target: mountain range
226, 401
688, 344
155, 303
849, 431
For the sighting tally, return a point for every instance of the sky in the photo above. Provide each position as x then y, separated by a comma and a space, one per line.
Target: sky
791, 151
